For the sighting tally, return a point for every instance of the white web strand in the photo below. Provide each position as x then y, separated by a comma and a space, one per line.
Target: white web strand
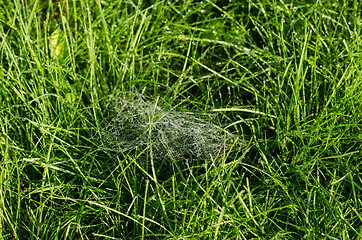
137, 123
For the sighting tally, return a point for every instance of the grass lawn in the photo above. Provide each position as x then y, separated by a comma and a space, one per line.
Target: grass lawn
180, 119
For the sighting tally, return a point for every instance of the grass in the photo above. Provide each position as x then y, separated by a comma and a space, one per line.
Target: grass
283, 77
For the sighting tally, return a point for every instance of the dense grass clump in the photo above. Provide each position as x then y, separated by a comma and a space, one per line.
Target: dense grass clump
180, 119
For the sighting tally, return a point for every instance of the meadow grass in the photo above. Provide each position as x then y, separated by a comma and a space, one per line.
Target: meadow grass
283, 77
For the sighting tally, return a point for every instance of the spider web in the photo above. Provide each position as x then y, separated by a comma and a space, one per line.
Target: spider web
138, 123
